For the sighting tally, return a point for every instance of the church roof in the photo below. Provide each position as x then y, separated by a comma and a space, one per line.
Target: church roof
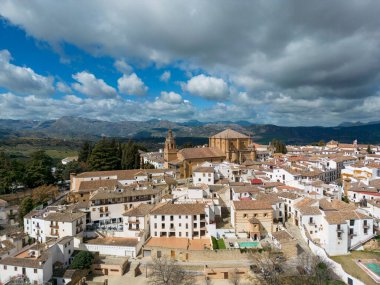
201, 152
230, 134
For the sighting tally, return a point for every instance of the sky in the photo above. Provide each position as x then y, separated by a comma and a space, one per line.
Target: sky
290, 63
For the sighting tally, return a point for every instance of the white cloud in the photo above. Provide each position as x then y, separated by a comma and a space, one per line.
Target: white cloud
266, 48
165, 77
63, 87
90, 86
22, 79
171, 97
207, 87
131, 85
122, 66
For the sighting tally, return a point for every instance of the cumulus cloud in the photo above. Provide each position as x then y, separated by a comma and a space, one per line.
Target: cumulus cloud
91, 86
171, 97
131, 85
63, 87
165, 77
207, 87
122, 66
22, 79
296, 50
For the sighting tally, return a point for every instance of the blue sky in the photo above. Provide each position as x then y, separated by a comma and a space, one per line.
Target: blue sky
137, 60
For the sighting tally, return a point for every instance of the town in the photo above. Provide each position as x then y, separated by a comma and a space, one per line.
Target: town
231, 211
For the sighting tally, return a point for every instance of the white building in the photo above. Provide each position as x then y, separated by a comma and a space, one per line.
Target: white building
36, 262
181, 220
54, 222
204, 175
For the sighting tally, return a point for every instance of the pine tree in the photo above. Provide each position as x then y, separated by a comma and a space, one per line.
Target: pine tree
39, 170
85, 152
104, 156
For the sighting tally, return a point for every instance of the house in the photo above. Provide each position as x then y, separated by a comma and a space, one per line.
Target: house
181, 220
54, 222
253, 217
203, 175
36, 262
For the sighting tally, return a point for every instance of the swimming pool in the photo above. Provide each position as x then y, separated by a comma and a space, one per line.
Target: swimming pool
248, 244
374, 267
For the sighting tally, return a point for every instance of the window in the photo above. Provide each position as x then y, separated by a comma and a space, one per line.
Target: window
352, 222
245, 215
265, 215
5, 267
35, 270
155, 225
255, 215
15, 268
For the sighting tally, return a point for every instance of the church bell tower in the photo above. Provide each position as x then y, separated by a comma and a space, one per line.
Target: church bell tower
170, 150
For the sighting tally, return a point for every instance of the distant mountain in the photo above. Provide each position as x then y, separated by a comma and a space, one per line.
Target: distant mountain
358, 123
83, 128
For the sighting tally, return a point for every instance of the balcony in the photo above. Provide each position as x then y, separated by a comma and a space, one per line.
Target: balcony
339, 230
54, 226
365, 226
54, 233
133, 222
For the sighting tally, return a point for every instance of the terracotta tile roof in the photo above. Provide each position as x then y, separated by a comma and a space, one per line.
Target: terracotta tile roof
140, 210
96, 184
340, 217
204, 169
111, 194
120, 174
245, 189
64, 216
251, 205
179, 209
309, 210
230, 134
201, 152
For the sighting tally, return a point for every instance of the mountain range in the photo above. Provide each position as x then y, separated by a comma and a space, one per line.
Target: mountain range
83, 128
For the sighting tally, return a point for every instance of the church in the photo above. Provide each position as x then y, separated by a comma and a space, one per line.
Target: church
227, 145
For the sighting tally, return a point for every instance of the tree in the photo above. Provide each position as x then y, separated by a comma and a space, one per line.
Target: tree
278, 146
26, 206
39, 170
63, 171
321, 143
268, 268
130, 156
44, 193
165, 271
234, 277
369, 151
313, 270
85, 152
11, 173
83, 260
105, 155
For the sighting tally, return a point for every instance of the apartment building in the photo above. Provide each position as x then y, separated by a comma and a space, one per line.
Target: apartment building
54, 222
181, 220
108, 206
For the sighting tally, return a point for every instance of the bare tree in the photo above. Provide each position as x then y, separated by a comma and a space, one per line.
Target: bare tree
313, 270
268, 268
165, 271
234, 277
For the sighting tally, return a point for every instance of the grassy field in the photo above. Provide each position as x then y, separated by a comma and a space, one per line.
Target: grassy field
349, 265
23, 151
